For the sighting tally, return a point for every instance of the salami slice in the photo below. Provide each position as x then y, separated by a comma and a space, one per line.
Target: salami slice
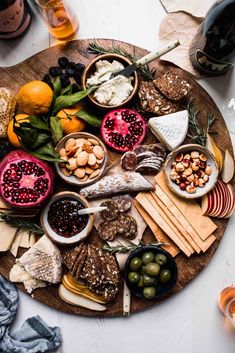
111, 212
148, 168
128, 161
131, 234
122, 202
123, 223
108, 231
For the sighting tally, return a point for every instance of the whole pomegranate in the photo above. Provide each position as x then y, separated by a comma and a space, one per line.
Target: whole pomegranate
25, 181
123, 129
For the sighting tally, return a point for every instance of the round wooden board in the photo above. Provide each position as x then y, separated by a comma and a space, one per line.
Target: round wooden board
35, 68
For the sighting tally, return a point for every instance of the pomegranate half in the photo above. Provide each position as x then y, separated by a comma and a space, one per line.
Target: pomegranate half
25, 181
123, 129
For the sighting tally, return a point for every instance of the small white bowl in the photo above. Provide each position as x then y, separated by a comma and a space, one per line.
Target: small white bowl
55, 237
210, 161
72, 179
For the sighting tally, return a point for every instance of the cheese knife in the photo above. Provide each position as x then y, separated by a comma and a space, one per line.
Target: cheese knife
90, 210
127, 71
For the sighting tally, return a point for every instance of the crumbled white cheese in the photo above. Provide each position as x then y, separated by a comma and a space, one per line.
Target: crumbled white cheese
20, 275
114, 91
104, 70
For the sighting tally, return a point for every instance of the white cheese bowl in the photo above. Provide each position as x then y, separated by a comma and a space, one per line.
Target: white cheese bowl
200, 191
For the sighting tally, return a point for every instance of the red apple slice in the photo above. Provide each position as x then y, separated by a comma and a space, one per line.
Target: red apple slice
215, 201
228, 198
220, 201
231, 209
204, 204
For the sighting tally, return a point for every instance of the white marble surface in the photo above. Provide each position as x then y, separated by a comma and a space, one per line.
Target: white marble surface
189, 322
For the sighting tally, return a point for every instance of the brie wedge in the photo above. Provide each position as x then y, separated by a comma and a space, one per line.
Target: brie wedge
170, 129
41, 263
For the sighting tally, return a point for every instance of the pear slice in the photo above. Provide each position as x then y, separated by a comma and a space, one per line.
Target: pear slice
214, 149
228, 168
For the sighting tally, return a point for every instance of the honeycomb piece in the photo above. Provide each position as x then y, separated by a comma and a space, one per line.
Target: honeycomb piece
7, 109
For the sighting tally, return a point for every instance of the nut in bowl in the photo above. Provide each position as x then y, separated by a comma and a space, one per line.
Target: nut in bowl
60, 219
150, 272
191, 171
85, 158
112, 92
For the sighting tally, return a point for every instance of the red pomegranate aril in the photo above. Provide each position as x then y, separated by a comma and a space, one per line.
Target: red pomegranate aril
123, 129
25, 181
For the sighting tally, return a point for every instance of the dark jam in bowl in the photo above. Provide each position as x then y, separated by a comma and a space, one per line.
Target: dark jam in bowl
63, 217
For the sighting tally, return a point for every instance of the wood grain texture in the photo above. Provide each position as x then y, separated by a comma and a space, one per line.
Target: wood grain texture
35, 68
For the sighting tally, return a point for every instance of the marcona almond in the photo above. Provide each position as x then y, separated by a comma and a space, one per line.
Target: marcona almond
95, 166
72, 164
78, 151
98, 152
87, 147
80, 141
69, 144
94, 174
66, 172
82, 158
93, 142
62, 152
92, 159
89, 170
72, 151
79, 173
84, 178
208, 170
99, 161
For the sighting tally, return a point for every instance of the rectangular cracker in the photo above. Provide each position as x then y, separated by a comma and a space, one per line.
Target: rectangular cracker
203, 244
157, 231
148, 206
191, 210
175, 221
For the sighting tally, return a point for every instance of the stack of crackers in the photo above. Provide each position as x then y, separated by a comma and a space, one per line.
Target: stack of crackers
175, 220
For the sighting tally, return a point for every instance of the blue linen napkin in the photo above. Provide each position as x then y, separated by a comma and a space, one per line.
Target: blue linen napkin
34, 336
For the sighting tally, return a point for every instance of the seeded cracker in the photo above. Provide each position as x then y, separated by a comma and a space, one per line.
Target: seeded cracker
152, 101
172, 86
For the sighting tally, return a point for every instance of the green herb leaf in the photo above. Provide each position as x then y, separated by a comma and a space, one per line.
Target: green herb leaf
89, 118
57, 86
66, 90
56, 128
47, 153
62, 102
21, 223
38, 123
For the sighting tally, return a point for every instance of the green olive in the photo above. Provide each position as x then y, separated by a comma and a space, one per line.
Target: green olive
148, 280
147, 257
160, 259
135, 264
165, 276
149, 292
133, 277
152, 269
141, 283
142, 271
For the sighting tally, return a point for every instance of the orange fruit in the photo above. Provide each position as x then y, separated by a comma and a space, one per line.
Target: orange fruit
70, 122
35, 98
13, 138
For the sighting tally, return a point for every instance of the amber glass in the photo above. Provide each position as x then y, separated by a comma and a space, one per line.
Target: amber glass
61, 21
226, 303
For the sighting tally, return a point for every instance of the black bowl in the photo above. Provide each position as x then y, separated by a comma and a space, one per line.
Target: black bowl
161, 288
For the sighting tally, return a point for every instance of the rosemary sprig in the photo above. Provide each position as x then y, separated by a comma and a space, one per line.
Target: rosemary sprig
21, 224
199, 134
128, 248
145, 71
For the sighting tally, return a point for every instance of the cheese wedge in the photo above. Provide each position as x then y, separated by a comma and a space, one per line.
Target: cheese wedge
24, 242
170, 129
7, 236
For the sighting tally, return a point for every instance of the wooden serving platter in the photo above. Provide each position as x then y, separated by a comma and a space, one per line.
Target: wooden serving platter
35, 68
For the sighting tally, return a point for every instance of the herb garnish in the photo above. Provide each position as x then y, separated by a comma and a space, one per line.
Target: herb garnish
128, 248
199, 134
145, 72
21, 223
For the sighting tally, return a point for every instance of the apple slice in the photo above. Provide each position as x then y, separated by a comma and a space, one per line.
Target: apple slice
221, 201
228, 167
228, 198
231, 209
205, 204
